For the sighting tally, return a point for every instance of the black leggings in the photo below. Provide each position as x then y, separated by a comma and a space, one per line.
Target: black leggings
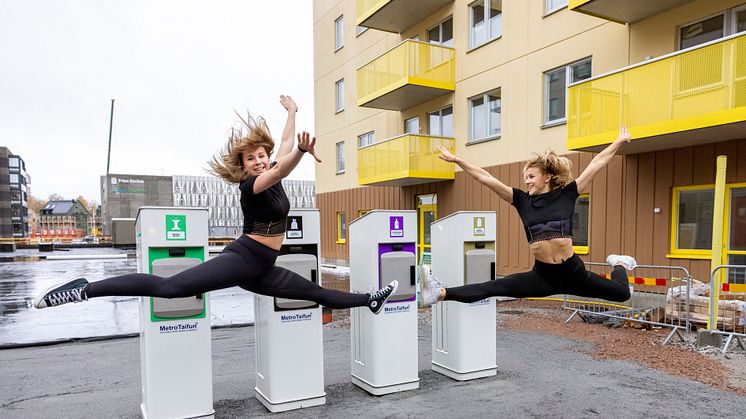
545, 279
245, 263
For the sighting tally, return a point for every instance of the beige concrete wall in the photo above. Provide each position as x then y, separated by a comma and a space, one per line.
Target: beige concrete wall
330, 66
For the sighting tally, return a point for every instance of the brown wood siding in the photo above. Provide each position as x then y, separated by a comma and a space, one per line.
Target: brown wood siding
623, 199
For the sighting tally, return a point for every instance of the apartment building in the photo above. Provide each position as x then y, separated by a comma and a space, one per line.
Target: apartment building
14, 216
497, 80
223, 200
122, 195
67, 217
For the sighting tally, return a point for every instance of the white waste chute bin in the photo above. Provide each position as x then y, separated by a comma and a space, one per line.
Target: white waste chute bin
463, 253
175, 335
384, 346
289, 340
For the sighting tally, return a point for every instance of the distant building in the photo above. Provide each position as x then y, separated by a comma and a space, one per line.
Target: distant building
13, 195
222, 200
122, 195
63, 218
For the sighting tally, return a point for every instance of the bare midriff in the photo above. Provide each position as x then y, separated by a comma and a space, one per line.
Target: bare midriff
274, 242
552, 251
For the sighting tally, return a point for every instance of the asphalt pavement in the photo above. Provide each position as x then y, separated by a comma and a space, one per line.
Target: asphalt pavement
538, 376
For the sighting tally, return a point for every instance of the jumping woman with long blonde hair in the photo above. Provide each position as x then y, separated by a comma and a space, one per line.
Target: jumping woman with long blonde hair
546, 211
249, 261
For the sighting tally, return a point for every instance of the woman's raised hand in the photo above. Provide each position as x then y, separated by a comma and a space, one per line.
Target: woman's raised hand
446, 155
288, 103
624, 135
308, 143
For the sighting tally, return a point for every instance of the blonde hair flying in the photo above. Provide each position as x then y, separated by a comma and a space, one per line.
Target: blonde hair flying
558, 167
228, 163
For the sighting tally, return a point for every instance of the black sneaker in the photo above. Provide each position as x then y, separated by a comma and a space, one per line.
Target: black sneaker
58, 294
378, 299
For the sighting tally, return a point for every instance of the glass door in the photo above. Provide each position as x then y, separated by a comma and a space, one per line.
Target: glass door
735, 230
426, 214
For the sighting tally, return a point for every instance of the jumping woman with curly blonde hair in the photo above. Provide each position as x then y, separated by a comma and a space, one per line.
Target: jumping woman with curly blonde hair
249, 261
546, 211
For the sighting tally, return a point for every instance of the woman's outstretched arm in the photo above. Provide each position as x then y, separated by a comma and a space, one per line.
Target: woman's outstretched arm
602, 159
286, 141
502, 190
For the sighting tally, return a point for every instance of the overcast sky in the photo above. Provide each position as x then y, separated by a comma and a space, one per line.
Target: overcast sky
176, 68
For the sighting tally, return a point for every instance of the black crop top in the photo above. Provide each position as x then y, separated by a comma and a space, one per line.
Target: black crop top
549, 215
265, 213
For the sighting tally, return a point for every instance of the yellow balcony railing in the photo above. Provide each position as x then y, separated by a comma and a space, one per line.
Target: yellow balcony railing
664, 100
404, 160
411, 73
395, 15
624, 11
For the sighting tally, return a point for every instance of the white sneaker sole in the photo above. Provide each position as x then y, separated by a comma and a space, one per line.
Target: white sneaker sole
40, 298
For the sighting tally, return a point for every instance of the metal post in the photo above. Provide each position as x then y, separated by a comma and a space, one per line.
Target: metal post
111, 124
717, 239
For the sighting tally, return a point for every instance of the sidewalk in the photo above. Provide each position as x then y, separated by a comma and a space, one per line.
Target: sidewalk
538, 376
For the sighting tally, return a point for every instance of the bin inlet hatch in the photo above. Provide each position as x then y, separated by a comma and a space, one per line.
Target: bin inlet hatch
176, 307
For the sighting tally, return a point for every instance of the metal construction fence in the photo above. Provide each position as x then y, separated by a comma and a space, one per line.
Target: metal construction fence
726, 309
660, 297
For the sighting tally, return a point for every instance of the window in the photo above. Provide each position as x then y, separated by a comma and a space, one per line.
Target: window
580, 224
412, 125
341, 227
13, 162
485, 21
366, 139
340, 157
361, 29
727, 23
555, 88
440, 122
693, 210
339, 97
740, 17
691, 236
702, 31
553, 5
14, 178
339, 33
484, 116
735, 252
442, 34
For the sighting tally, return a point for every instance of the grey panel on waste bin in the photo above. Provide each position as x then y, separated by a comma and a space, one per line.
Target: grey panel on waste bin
304, 265
176, 307
400, 266
478, 266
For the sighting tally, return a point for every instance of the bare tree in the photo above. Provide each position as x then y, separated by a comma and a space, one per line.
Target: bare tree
36, 204
83, 202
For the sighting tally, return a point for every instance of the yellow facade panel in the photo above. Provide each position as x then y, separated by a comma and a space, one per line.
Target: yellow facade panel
406, 159
695, 89
411, 63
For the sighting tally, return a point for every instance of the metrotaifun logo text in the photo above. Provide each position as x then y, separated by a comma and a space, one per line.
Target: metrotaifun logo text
298, 317
178, 328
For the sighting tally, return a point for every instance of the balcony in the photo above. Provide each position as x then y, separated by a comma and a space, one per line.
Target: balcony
691, 97
404, 160
411, 73
395, 15
624, 11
